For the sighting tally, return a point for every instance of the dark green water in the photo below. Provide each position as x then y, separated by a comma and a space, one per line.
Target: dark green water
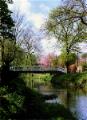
75, 100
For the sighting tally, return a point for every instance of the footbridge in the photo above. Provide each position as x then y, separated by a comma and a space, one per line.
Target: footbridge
38, 70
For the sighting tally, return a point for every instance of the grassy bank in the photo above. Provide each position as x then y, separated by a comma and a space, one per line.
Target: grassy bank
29, 104
76, 80
18, 101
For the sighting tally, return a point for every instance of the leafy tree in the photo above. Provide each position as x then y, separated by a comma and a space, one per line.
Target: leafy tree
6, 22
63, 59
19, 57
22, 59
68, 33
9, 51
30, 59
76, 11
6, 27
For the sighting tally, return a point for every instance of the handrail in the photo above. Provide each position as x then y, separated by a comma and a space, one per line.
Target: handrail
37, 68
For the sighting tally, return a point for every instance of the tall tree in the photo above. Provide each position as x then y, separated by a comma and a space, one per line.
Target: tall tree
6, 26
20, 26
68, 33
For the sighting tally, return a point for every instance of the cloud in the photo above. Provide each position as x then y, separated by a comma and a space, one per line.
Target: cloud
44, 7
22, 5
25, 8
83, 47
50, 46
37, 19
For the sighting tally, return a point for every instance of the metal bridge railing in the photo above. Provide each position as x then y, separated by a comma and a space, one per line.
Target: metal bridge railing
37, 68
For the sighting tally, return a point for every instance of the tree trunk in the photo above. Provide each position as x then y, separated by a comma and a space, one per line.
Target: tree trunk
2, 53
67, 68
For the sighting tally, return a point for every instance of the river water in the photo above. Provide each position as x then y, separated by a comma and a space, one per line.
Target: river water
77, 103
75, 100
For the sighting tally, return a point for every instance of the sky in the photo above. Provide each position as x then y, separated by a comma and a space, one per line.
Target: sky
35, 13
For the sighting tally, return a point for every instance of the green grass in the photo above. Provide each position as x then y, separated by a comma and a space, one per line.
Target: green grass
70, 80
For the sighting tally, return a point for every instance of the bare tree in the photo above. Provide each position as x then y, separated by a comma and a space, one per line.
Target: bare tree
19, 25
25, 35
75, 10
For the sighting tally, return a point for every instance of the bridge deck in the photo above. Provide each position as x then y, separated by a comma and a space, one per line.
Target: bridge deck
37, 70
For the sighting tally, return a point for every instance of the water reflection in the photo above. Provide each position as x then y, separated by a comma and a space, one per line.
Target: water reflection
55, 100
78, 105
81, 107
76, 101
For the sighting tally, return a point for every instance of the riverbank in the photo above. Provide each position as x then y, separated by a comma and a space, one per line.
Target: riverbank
18, 101
75, 80
31, 105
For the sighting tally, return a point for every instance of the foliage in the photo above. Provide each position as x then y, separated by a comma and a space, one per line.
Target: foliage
84, 66
20, 102
41, 78
22, 58
68, 32
6, 20
6, 28
30, 59
9, 51
19, 56
77, 80
64, 58
10, 98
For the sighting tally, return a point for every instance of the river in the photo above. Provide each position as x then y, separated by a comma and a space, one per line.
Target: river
75, 100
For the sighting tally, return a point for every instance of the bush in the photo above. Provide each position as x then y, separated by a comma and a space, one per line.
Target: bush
75, 80
84, 66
